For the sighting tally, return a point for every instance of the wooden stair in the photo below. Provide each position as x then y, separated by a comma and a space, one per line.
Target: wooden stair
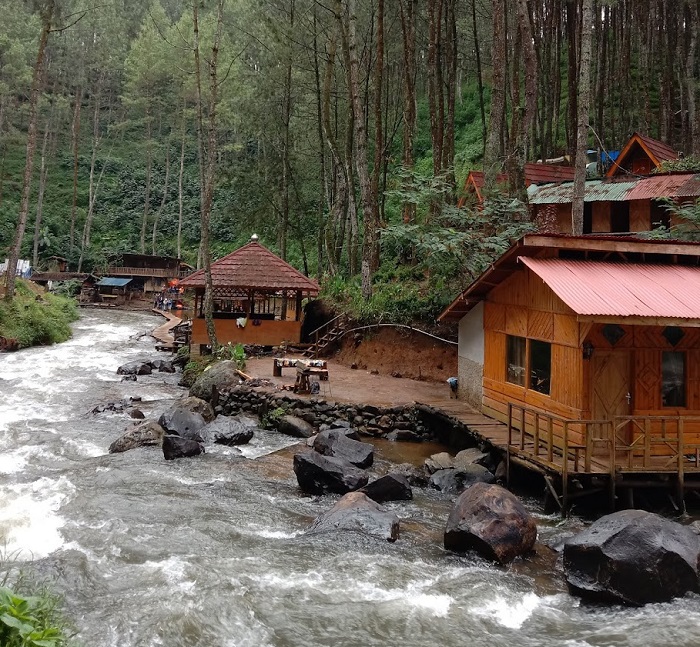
326, 335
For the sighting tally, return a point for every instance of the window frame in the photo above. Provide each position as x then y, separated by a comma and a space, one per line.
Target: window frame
526, 368
684, 356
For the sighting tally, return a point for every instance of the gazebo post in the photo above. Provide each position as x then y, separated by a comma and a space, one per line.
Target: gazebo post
298, 317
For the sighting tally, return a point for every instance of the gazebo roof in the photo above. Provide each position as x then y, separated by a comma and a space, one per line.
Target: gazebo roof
253, 266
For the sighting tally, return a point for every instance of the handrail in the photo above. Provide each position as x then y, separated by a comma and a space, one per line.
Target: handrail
328, 323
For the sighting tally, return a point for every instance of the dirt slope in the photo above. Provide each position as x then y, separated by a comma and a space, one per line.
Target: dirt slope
399, 352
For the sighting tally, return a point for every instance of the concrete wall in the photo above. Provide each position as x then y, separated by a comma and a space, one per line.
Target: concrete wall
471, 356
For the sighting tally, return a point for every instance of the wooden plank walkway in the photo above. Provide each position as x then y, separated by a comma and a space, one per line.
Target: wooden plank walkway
163, 333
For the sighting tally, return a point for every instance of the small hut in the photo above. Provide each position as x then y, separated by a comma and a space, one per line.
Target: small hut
257, 299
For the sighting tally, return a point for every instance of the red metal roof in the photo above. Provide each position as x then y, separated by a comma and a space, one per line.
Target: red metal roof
593, 288
544, 173
660, 150
673, 185
253, 266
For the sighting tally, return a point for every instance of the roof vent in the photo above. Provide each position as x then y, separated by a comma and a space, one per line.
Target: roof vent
254, 238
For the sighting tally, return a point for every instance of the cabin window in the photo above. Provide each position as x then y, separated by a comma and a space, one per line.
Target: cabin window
619, 217
673, 379
540, 365
515, 360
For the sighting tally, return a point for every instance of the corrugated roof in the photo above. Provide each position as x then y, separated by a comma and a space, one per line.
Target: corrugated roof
112, 281
657, 152
543, 173
672, 185
622, 290
595, 191
253, 266
660, 150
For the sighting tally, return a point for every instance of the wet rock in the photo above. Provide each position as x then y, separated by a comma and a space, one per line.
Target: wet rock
236, 430
142, 435
221, 376
501, 472
137, 414
356, 512
632, 557
162, 366
182, 422
441, 461
403, 435
416, 476
135, 368
178, 447
392, 487
385, 422
197, 405
128, 378
456, 480
471, 456
491, 521
294, 426
336, 443
317, 474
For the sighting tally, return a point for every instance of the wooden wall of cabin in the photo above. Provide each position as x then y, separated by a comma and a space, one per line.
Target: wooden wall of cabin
646, 345
268, 333
524, 306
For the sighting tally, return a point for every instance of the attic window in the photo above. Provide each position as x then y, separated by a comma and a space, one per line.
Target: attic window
613, 333
673, 335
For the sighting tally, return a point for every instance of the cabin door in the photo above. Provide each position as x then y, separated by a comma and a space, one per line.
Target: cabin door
611, 391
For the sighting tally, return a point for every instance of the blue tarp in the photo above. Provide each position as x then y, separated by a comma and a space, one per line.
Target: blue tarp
110, 281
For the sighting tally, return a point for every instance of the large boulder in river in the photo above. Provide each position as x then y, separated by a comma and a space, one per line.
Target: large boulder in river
142, 435
335, 442
221, 376
197, 405
229, 430
491, 521
632, 557
456, 480
178, 447
317, 474
182, 422
391, 487
441, 461
135, 368
356, 512
296, 427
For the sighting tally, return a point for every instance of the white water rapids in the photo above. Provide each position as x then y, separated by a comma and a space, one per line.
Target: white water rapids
211, 551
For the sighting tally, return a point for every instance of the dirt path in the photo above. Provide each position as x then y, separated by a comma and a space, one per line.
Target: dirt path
350, 385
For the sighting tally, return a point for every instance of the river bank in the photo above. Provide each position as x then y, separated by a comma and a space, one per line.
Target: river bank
212, 551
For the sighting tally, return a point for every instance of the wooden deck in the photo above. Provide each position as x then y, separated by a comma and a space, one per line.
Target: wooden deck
163, 333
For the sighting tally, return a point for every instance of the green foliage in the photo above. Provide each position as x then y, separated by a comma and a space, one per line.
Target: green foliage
36, 319
689, 163
685, 220
271, 418
234, 353
194, 368
30, 615
69, 288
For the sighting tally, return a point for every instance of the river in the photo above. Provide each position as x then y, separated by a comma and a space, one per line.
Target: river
211, 551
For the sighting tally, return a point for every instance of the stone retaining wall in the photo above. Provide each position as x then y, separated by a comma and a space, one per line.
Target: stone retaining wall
412, 421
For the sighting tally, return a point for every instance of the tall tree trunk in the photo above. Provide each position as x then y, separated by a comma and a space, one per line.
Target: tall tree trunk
286, 142
75, 147
584, 100
163, 202
479, 79
409, 11
147, 187
572, 73
47, 15
180, 192
40, 198
691, 79
370, 243
322, 189
492, 162
378, 115
451, 54
210, 162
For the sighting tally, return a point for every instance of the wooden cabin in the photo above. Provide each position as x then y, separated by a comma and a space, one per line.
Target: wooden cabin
630, 198
148, 273
257, 299
588, 349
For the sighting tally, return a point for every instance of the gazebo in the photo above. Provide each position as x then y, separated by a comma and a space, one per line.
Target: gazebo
257, 299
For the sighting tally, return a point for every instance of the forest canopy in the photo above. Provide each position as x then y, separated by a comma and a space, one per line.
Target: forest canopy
339, 131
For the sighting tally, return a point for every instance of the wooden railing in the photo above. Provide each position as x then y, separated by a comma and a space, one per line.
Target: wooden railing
315, 336
625, 444
142, 271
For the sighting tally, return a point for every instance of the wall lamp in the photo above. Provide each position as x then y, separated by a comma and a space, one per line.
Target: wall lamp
587, 350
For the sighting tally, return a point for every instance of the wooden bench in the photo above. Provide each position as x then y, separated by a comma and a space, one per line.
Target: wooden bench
303, 383
278, 363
